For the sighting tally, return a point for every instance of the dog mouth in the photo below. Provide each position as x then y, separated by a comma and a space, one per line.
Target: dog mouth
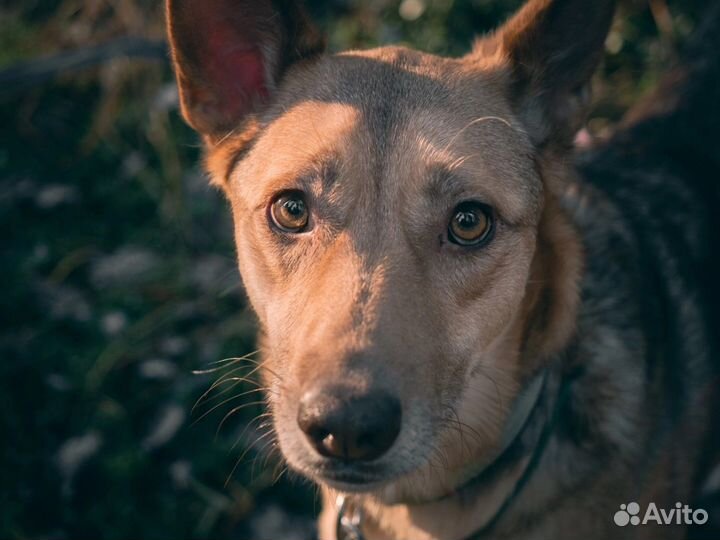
352, 478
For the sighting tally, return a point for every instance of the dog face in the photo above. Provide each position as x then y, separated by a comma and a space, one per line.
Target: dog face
381, 290
395, 224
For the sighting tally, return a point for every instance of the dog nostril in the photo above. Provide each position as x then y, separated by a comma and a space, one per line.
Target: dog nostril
326, 443
332, 446
354, 428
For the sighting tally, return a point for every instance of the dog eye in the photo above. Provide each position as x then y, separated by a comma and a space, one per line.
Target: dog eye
289, 212
471, 224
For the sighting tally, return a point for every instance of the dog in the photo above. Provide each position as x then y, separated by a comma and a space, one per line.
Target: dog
470, 330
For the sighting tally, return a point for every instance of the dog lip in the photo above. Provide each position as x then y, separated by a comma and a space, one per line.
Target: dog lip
350, 478
352, 483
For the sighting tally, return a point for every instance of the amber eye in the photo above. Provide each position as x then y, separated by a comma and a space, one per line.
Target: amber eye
289, 212
471, 224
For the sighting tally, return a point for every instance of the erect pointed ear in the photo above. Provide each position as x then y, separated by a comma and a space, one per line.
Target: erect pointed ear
553, 47
229, 56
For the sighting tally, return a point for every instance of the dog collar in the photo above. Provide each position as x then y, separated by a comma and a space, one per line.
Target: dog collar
350, 515
520, 413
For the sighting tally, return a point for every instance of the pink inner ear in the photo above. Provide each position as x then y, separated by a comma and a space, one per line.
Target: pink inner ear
235, 70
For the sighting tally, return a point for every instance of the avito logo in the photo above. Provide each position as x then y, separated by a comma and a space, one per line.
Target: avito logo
629, 514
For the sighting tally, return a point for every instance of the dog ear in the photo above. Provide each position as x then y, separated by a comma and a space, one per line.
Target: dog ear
230, 55
553, 47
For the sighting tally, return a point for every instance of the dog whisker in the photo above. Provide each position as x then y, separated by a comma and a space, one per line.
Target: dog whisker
245, 452
263, 365
234, 382
224, 379
267, 449
261, 416
278, 476
269, 433
224, 363
225, 401
480, 120
237, 409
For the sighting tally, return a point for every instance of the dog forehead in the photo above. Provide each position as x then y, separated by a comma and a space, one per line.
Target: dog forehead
389, 114
385, 85
403, 98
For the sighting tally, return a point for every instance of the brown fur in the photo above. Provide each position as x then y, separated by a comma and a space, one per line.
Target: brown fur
385, 143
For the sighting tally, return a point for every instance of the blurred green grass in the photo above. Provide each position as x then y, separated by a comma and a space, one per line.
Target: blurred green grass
119, 279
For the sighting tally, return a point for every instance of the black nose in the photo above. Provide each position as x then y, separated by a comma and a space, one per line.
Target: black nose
349, 427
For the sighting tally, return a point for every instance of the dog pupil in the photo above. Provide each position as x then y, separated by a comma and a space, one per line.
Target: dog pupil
466, 220
295, 207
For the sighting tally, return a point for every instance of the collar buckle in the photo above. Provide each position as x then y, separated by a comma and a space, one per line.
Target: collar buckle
349, 519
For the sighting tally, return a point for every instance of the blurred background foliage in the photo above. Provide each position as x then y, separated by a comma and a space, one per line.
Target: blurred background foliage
118, 272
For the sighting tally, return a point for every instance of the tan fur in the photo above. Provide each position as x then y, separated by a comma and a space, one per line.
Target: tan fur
532, 302
371, 297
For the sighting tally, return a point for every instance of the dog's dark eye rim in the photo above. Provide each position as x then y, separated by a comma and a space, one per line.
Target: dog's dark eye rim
479, 232
288, 211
